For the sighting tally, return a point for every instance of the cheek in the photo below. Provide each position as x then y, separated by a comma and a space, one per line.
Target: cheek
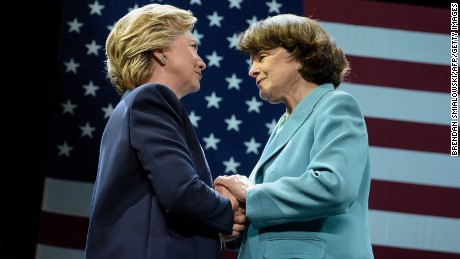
276, 86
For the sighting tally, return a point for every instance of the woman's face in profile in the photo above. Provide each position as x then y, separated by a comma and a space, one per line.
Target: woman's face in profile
276, 74
185, 63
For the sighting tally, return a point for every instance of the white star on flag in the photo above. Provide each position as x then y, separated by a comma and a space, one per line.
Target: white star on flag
273, 6
64, 149
71, 66
74, 25
90, 89
68, 107
93, 48
96, 8
214, 59
235, 3
233, 123
215, 19
87, 130
194, 118
211, 141
252, 146
254, 105
213, 100
233, 41
233, 82
231, 165
198, 2
197, 36
107, 110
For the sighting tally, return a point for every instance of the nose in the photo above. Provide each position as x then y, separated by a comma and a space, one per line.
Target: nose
201, 63
254, 71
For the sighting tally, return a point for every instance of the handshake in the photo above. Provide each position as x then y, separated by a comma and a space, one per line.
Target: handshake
234, 187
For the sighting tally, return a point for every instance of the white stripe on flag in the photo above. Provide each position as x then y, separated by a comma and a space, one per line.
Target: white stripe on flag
53, 252
401, 104
377, 42
415, 231
414, 167
67, 197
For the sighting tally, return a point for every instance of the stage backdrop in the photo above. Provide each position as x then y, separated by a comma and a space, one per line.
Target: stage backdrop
400, 59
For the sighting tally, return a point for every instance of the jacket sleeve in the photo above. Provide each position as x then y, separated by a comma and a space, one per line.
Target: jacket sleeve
157, 134
335, 161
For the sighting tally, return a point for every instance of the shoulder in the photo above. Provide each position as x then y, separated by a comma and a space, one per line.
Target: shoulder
153, 90
339, 102
152, 94
339, 97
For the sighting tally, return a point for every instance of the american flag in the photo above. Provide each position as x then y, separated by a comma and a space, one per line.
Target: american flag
400, 59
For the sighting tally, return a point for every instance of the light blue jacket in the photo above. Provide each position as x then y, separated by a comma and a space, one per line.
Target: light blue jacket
312, 184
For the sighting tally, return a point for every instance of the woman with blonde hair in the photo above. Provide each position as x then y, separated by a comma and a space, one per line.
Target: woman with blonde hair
154, 196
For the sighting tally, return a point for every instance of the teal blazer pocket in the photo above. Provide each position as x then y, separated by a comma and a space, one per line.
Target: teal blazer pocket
298, 247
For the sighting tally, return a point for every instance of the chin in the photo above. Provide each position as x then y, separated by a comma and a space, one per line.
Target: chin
269, 100
263, 97
195, 89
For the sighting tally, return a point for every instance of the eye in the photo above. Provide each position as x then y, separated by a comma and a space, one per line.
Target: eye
195, 46
262, 56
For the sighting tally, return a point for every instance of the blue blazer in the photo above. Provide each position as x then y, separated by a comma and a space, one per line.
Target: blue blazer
153, 195
313, 202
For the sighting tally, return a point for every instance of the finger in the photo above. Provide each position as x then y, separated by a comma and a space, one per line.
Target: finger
238, 227
241, 210
221, 180
219, 188
240, 219
227, 194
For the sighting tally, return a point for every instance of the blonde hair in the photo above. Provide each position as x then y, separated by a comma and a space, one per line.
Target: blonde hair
321, 60
130, 43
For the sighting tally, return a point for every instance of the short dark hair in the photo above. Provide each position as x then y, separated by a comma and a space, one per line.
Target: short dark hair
322, 61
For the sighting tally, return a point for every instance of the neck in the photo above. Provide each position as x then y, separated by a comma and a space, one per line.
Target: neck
295, 97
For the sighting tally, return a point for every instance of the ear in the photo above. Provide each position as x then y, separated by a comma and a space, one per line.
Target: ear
158, 54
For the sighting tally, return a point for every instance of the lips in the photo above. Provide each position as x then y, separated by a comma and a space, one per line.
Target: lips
260, 80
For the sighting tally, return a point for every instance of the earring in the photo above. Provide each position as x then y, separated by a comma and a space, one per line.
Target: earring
164, 60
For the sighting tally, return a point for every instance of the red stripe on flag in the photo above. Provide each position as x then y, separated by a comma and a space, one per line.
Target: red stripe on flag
414, 198
395, 253
408, 135
63, 230
380, 14
399, 74
227, 254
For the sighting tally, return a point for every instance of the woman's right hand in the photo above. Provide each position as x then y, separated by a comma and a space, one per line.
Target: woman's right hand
236, 184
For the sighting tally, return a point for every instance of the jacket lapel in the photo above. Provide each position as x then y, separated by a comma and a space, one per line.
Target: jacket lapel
278, 140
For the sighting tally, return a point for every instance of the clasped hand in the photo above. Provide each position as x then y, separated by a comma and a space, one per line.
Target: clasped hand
234, 188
